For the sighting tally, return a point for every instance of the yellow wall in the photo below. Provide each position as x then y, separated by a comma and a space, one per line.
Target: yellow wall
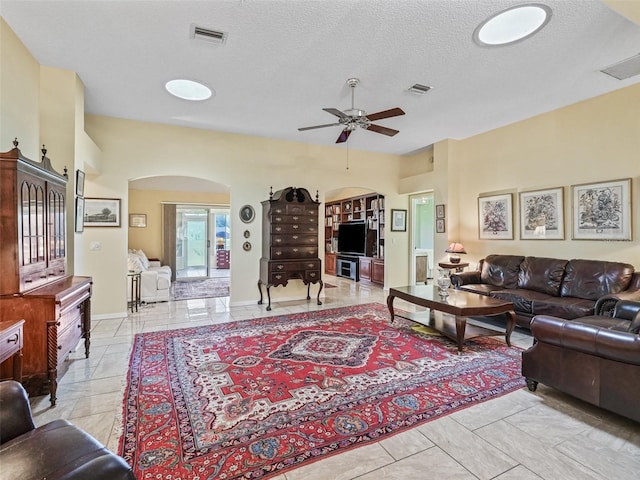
591, 141
149, 202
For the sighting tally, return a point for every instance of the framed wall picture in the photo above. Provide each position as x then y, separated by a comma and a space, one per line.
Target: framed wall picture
439, 211
102, 212
80, 183
247, 214
138, 220
542, 214
398, 220
602, 211
439, 225
495, 217
79, 223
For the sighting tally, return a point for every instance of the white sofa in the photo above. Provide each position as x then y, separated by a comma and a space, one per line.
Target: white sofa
155, 279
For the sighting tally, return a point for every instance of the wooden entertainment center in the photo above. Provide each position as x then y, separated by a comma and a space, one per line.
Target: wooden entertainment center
369, 209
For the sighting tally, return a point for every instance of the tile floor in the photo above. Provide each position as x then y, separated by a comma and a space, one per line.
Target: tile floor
522, 435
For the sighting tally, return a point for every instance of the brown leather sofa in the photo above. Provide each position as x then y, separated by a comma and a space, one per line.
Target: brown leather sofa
55, 451
595, 358
567, 289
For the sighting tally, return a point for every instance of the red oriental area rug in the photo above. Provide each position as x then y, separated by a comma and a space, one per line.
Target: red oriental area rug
252, 399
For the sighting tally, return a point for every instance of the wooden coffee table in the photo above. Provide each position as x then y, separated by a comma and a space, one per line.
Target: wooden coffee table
459, 305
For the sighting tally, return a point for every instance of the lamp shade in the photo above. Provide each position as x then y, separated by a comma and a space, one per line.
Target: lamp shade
455, 248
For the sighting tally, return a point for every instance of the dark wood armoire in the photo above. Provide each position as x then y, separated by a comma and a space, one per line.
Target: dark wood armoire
34, 285
290, 241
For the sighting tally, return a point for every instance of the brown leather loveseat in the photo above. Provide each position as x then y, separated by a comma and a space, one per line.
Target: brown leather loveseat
595, 358
567, 289
55, 451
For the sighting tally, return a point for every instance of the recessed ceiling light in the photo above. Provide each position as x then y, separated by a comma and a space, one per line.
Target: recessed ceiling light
188, 89
512, 25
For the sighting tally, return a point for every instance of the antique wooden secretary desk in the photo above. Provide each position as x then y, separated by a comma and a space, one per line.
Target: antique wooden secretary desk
34, 285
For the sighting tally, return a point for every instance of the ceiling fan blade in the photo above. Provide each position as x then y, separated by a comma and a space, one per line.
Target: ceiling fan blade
336, 112
393, 112
344, 136
318, 126
383, 130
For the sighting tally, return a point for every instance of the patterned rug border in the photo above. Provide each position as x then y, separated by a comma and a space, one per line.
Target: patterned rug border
384, 432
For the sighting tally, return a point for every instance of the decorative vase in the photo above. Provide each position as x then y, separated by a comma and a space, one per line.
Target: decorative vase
443, 281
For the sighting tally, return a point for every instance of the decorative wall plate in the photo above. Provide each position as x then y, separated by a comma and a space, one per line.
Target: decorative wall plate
246, 246
247, 214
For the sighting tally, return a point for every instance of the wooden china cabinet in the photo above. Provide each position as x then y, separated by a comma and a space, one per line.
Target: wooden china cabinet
289, 241
34, 285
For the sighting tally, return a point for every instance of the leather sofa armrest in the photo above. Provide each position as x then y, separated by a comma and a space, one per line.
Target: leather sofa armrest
15, 411
465, 278
590, 339
606, 304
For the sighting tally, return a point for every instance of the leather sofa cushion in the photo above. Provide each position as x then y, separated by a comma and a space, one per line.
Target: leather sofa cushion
565, 307
591, 279
522, 299
590, 339
501, 270
542, 274
58, 450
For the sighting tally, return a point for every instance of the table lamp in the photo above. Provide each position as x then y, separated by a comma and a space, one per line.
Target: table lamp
454, 249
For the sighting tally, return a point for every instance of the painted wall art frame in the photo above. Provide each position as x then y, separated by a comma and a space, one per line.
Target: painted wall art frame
80, 183
495, 217
602, 211
440, 211
440, 226
79, 220
102, 212
542, 214
398, 220
138, 220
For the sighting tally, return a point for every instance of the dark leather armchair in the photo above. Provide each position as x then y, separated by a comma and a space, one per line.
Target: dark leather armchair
595, 358
55, 451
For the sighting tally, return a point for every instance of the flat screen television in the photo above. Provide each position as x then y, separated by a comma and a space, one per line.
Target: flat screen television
352, 238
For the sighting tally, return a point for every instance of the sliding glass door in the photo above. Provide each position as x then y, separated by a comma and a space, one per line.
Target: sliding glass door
192, 243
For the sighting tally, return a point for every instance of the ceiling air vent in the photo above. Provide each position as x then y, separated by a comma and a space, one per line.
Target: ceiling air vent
625, 69
419, 89
207, 34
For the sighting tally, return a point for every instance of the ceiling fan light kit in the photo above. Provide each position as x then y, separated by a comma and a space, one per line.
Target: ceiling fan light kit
354, 118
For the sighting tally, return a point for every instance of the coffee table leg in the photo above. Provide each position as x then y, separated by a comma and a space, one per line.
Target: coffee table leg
511, 323
390, 300
461, 326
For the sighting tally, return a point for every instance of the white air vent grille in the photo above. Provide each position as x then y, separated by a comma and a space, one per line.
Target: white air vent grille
625, 69
207, 34
419, 89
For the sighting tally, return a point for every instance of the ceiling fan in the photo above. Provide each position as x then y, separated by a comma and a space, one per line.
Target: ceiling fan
354, 118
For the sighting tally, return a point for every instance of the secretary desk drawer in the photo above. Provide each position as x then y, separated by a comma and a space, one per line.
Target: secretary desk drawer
294, 239
286, 228
287, 253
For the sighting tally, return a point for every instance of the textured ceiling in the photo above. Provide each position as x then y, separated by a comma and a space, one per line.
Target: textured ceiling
285, 60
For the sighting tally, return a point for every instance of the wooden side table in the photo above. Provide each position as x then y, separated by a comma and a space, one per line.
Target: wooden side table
134, 278
11, 343
458, 267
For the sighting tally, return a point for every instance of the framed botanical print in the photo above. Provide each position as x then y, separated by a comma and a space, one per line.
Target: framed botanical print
79, 223
542, 214
495, 217
440, 211
602, 211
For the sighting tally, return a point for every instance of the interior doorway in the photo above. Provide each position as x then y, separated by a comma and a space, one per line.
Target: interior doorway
422, 237
202, 241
